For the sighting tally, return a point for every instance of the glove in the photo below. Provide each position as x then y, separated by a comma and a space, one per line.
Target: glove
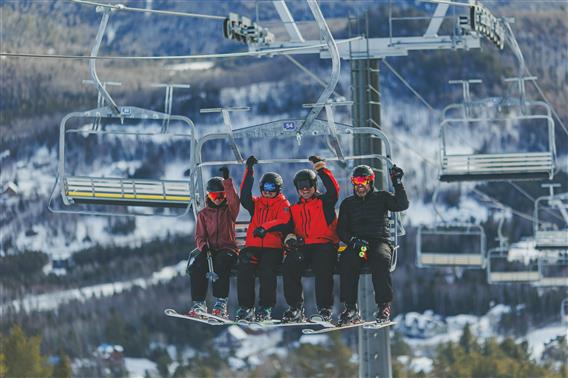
251, 161
205, 249
224, 172
292, 243
317, 161
259, 232
356, 244
191, 260
396, 174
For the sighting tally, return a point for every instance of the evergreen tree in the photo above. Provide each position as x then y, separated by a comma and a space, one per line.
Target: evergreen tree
2, 364
63, 368
23, 357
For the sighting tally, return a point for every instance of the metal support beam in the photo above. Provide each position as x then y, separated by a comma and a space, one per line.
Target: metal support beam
374, 345
288, 20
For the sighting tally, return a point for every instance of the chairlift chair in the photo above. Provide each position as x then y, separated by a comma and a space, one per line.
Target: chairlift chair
505, 268
553, 267
551, 221
281, 138
564, 311
457, 165
100, 193
109, 190
450, 243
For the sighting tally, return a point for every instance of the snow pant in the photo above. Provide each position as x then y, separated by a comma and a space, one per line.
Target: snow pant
265, 262
322, 259
379, 256
223, 262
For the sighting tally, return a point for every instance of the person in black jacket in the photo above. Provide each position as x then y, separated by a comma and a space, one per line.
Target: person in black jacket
363, 225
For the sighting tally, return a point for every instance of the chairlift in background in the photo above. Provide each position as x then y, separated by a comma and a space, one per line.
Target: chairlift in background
457, 165
116, 186
450, 243
553, 267
564, 311
519, 267
551, 220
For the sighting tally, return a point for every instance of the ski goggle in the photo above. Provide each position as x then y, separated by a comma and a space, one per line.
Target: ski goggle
361, 180
304, 184
214, 196
269, 187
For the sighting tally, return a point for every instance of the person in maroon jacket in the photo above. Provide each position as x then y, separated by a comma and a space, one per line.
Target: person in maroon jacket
263, 250
215, 233
314, 242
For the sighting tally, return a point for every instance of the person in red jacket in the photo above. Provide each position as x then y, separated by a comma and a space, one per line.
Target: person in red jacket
313, 223
263, 250
215, 233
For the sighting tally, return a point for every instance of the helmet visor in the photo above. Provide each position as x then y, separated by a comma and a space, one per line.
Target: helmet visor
361, 180
304, 184
214, 196
269, 187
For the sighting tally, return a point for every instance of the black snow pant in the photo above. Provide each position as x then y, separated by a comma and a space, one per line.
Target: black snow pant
322, 259
265, 262
379, 256
223, 262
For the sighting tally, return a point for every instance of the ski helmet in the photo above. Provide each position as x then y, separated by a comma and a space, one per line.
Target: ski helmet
364, 171
271, 182
215, 184
305, 178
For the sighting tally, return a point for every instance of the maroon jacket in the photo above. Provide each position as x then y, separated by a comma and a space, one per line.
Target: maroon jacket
216, 224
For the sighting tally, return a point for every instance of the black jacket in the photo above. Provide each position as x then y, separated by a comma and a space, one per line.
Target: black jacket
366, 217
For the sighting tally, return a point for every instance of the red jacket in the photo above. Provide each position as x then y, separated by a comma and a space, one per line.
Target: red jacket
264, 212
315, 219
215, 225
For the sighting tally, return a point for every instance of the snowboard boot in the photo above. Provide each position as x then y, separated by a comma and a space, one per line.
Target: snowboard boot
263, 313
245, 314
220, 308
293, 315
198, 308
383, 312
350, 315
323, 315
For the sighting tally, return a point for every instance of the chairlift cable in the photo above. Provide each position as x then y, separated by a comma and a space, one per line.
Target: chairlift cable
309, 73
145, 10
183, 57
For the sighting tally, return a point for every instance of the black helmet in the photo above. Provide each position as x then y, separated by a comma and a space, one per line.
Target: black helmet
271, 182
363, 170
305, 178
215, 184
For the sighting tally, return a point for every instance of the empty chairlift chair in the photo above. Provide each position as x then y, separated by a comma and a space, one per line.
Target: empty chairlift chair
533, 155
512, 265
129, 152
551, 221
450, 243
553, 267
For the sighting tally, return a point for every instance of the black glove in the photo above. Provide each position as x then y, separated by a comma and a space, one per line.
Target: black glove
224, 172
259, 232
396, 174
251, 161
191, 260
317, 161
292, 243
355, 244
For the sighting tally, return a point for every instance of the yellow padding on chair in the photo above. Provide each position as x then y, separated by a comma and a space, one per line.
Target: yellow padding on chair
129, 196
